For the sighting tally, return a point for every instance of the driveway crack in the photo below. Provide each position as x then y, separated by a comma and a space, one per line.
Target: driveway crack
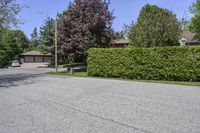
97, 116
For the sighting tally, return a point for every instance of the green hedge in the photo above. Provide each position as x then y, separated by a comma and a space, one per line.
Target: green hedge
159, 63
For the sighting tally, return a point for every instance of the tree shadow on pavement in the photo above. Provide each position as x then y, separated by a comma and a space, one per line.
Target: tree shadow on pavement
10, 80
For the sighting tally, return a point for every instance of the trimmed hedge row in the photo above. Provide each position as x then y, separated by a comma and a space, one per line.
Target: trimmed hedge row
158, 63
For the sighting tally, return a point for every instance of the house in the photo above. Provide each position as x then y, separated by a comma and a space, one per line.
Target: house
189, 38
35, 57
120, 43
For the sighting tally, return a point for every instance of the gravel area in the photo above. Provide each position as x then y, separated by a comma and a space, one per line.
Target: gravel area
34, 102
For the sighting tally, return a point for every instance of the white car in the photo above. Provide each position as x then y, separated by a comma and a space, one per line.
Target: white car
15, 63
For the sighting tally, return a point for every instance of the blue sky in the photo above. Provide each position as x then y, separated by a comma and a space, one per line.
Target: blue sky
125, 11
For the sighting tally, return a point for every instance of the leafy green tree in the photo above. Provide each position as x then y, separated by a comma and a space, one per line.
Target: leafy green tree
34, 41
155, 26
9, 43
3, 56
9, 9
10, 47
47, 36
195, 21
85, 24
22, 39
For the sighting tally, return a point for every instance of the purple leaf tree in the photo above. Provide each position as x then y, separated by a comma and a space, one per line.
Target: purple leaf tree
85, 24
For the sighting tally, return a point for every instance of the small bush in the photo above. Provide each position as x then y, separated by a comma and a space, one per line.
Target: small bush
158, 63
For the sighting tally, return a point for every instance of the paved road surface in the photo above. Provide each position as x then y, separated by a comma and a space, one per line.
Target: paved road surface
35, 65
33, 102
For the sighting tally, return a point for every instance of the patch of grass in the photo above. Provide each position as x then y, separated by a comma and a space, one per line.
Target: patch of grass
73, 64
76, 74
84, 74
172, 82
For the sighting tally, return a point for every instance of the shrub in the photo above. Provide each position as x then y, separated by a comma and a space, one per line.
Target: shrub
159, 63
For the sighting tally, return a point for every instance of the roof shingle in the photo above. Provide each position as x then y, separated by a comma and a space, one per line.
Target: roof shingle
33, 53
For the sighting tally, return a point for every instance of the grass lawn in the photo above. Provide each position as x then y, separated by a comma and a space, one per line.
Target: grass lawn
76, 74
84, 74
172, 82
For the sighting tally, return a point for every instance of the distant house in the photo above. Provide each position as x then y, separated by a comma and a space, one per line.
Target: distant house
121, 43
35, 57
189, 38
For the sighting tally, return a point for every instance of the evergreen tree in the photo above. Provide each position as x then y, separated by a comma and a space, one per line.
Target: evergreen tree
47, 36
155, 26
34, 39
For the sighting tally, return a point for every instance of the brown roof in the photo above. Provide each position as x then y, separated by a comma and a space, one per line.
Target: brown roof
190, 36
49, 54
120, 41
32, 53
35, 53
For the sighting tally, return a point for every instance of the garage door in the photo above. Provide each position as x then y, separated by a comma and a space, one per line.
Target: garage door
38, 59
47, 59
29, 59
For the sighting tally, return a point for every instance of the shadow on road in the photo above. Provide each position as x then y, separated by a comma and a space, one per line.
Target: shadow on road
10, 80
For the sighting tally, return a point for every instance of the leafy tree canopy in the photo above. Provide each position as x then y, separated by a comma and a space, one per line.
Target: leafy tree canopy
85, 24
9, 47
195, 21
155, 26
21, 38
9, 9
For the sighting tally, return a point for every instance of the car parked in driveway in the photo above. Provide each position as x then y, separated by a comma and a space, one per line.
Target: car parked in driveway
15, 63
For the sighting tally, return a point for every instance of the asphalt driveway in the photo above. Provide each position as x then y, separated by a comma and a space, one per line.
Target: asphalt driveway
35, 65
33, 102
